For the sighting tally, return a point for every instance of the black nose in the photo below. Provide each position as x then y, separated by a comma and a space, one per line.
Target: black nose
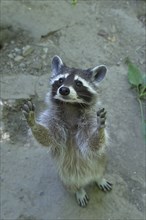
64, 90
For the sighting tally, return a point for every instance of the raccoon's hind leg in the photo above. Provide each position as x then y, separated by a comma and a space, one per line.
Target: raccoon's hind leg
100, 181
104, 185
82, 197
80, 194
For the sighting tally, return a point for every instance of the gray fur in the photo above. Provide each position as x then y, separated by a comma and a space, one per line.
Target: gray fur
75, 133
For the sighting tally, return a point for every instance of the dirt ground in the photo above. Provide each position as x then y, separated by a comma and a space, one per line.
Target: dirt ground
83, 35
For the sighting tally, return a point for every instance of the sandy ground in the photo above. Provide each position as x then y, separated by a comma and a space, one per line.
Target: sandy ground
85, 35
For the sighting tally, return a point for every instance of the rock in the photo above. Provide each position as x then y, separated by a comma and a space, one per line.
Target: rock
103, 33
118, 63
22, 65
45, 49
42, 86
23, 86
18, 58
37, 65
17, 50
27, 50
14, 54
10, 64
45, 63
44, 56
11, 56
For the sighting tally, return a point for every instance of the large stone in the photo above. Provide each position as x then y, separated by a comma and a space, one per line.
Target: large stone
42, 86
18, 86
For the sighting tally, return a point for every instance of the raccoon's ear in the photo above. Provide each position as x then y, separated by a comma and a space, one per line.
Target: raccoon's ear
56, 65
98, 73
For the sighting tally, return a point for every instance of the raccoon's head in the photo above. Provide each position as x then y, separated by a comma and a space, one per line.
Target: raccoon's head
73, 85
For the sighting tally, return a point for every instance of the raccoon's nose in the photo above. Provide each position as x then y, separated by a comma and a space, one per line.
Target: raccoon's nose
64, 90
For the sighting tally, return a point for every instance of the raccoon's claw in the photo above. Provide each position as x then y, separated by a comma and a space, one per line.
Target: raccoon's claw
101, 118
28, 111
29, 106
82, 198
105, 186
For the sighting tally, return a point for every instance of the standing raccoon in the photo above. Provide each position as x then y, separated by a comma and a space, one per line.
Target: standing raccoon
73, 128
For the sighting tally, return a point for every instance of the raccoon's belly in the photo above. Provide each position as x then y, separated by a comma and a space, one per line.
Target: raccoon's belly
78, 169
75, 170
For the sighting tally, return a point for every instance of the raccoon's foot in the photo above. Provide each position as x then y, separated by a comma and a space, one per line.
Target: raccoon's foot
104, 185
28, 111
82, 198
101, 118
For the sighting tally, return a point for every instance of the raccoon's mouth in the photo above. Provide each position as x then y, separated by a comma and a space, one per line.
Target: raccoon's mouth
68, 99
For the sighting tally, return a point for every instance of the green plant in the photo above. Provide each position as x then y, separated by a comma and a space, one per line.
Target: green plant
138, 82
74, 2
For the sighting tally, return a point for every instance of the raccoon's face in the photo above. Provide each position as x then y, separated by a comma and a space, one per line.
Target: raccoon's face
72, 85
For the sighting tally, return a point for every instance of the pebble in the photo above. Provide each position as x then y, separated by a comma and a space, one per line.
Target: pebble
37, 65
18, 58
11, 55
14, 54
141, 62
45, 49
103, 33
44, 56
45, 63
42, 193
27, 50
22, 65
10, 64
17, 50
118, 63
41, 84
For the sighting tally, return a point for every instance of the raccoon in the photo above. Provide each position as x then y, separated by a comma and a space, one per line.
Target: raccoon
73, 127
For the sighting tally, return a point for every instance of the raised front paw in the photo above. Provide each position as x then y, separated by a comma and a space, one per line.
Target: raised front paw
29, 113
101, 118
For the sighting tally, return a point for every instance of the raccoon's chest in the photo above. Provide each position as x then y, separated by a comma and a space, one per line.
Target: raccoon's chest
78, 131
70, 118
71, 125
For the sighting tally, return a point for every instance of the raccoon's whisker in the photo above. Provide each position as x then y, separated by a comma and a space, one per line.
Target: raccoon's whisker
82, 105
88, 96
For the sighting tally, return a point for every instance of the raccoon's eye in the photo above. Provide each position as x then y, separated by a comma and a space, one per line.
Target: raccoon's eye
60, 80
79, 83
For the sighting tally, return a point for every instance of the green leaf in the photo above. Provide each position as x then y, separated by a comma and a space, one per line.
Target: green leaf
74, 2
143, 89
134, 74
143, 95
144, 80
